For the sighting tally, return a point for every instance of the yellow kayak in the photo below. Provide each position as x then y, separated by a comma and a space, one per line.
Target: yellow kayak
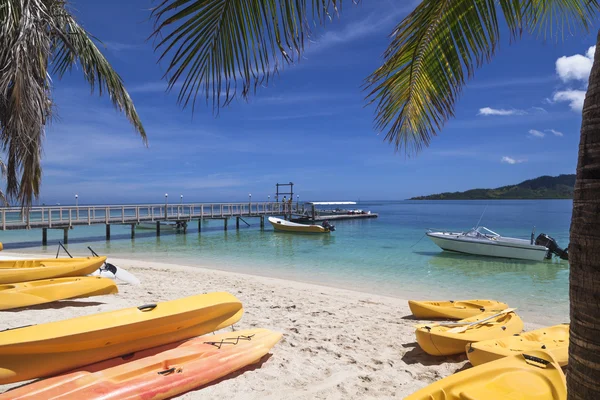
12, 271
452, 309
287, 226
47, 349
534, 375
439, 340
48, 290
554, 340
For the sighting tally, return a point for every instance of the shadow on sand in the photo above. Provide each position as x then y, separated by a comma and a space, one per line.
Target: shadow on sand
57, 305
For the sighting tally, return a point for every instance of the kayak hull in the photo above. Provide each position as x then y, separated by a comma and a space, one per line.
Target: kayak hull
48, 290
157, 373
453, 309
553, 339
533, 376
438, 341
47, 349
14, 271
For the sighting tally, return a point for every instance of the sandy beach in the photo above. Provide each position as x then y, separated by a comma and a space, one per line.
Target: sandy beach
337, 344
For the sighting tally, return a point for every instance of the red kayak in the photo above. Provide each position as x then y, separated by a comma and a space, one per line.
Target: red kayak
157, 373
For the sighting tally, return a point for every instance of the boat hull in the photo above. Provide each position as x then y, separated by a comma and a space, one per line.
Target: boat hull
48, 290
48, 349
451, 309
533, 376
553, 339
285, 226
487, 248
145, 374
437, 341
14, 271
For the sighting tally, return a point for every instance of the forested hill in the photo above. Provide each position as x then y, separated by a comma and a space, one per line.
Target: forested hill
544, 187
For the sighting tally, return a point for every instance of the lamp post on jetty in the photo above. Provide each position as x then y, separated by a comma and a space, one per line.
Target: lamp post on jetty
77, 206
249, 203
166, 203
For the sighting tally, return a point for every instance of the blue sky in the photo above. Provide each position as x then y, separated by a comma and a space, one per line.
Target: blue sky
517, 119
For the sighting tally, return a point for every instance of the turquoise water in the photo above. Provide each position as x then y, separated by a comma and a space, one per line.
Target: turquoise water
388, 255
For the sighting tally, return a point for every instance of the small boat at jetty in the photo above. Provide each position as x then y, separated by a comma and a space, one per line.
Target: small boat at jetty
553, 339
159, 372
287, 226
26, 294
534, 375
447, 338
453, 309
13, 271
47, 349
485, 242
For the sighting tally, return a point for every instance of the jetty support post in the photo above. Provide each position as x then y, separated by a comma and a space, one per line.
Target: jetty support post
133, 231
200, 225
44, 236
225, 224
262, 221
157, 228
65, 235
107, 231
237, 223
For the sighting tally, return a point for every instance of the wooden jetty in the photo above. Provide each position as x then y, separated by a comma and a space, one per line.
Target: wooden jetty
67, 217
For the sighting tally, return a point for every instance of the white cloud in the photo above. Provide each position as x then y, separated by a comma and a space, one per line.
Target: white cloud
511, 161
555, 132
536, 133
499, 111
576, 67
573, 97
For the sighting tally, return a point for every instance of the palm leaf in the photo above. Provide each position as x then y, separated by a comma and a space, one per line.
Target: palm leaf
216, 46
438, 46
72, 44
34, 33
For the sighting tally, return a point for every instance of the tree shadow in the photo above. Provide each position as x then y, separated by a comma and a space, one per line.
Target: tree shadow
57, 305
232, 375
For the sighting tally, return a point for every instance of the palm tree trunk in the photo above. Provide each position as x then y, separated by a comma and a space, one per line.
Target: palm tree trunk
583, 377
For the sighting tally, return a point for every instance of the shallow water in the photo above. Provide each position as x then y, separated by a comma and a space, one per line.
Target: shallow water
388, 255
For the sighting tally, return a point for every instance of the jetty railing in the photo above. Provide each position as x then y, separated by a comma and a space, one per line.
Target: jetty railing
69, 216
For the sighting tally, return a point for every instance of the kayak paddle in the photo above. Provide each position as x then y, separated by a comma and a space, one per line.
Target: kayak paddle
460, 329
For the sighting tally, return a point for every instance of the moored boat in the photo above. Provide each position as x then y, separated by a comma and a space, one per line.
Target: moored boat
534, 375
485, 242
159, 372
453, 309
553, 339
13, 271
26, 294
287, 226
46, 349
444, 339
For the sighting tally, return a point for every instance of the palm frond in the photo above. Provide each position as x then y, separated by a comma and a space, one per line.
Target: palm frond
25, 102
438, 46
71, 45
34, 33
216, 46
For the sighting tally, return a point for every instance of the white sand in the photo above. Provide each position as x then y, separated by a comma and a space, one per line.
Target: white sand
337, 344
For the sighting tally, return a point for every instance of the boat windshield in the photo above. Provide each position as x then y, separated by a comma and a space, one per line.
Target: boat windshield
481, 232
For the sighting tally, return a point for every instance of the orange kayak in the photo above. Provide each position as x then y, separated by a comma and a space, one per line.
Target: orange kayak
157, 373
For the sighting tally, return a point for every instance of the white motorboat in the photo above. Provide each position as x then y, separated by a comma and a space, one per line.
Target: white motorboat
485, 242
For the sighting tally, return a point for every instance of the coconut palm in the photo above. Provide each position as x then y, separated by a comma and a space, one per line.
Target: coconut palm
40, 39
219, 46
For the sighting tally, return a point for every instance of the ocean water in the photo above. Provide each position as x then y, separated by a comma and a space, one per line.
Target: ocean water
388, 255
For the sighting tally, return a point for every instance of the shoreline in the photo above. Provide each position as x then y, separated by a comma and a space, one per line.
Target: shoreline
408, 292
337, 343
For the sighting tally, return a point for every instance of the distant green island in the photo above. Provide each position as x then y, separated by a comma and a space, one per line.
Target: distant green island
544, 187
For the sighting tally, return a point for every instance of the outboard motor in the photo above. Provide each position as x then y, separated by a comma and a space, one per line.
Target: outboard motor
327, 225
550, 243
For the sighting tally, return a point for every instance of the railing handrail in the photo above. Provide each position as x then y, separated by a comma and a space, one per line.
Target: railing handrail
83, 206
